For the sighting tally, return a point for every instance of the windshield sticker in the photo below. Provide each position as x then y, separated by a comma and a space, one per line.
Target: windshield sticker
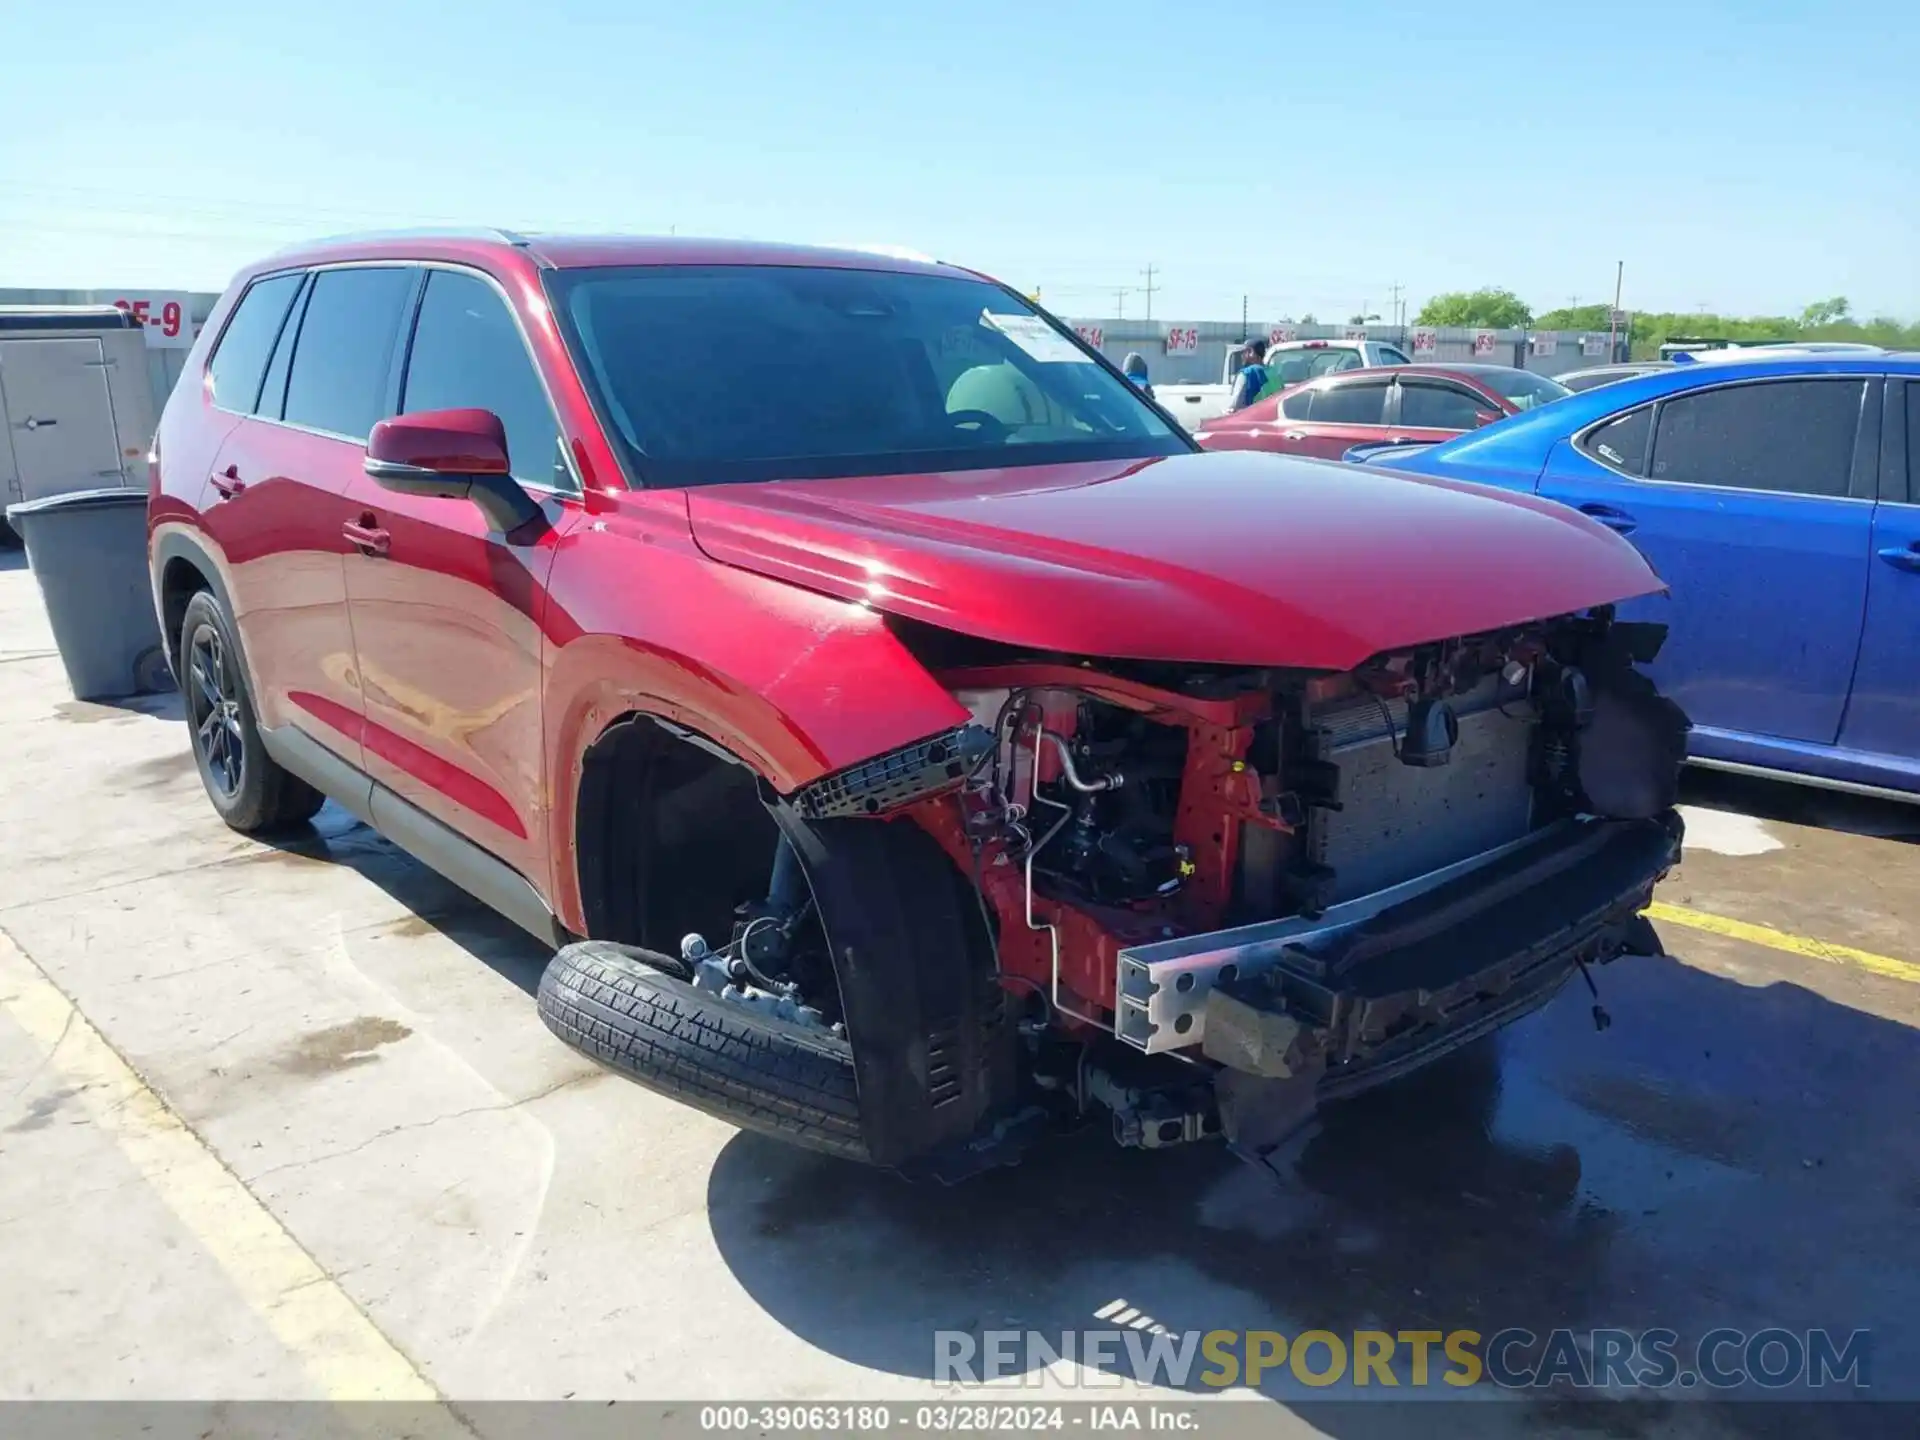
1033, 335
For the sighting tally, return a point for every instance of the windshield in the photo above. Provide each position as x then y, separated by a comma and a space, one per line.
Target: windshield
711, 374
1524, 389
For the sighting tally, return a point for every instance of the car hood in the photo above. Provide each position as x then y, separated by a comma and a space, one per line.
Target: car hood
1227, 558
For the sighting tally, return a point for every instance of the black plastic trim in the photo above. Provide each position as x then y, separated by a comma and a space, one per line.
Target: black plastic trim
438, 846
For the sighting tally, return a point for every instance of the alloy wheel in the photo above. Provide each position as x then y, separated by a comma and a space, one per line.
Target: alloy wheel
213, 705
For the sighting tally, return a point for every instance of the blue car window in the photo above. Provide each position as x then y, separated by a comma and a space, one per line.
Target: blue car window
1788, 436
1621, 443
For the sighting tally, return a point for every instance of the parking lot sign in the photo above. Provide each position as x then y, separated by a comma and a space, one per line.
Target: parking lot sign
1482, 342
1280, 334
1426, 342
1542, 344
1183, 339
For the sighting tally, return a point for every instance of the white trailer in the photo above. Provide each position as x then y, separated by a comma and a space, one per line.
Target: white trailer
76, 402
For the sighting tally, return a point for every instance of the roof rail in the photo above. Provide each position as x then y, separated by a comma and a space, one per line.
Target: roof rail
417, 232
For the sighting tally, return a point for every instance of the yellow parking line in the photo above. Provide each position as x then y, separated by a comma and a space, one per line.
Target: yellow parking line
342, 1350
1781, 940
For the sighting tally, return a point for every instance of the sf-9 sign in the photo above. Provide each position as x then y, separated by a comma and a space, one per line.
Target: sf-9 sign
164, 317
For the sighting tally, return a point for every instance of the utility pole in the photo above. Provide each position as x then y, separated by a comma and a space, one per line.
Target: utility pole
1243, 318
1150, 288
1119, 302
1396, 309
1613, 319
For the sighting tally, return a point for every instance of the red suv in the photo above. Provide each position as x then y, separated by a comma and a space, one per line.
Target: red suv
914, 741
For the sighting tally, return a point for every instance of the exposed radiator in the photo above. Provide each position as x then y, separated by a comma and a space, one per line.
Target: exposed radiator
1398, 821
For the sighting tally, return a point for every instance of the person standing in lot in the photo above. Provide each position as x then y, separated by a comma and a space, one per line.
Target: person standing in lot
1134, 367
1252, 378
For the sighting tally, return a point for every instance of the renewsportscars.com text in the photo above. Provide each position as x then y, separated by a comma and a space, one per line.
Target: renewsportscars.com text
1514, 1358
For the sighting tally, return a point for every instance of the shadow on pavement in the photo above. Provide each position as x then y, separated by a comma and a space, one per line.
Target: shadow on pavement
1723, 1155
336, 838
1802, 805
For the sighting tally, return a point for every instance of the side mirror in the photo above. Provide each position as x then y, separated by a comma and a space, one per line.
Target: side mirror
453, 454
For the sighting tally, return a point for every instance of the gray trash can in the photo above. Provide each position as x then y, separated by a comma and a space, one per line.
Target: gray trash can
88, 550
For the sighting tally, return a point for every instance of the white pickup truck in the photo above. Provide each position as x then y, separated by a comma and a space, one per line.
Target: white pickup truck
1288, 363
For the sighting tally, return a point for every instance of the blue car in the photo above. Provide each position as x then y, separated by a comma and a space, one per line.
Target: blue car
1780, 501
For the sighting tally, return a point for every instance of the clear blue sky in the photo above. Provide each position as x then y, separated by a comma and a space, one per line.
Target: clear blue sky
1746, 156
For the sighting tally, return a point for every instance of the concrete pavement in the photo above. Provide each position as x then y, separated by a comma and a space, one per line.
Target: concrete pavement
333, 1084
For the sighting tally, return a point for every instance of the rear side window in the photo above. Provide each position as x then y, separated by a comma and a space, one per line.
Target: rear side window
1391, 356
467, 352
1621, 443
1440, 407
1790, 436
339, 378
1362, 404
1297, 405
241, 358
1912, 388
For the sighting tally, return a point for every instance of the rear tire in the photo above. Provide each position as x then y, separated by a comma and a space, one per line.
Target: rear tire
248, 790
631, 1010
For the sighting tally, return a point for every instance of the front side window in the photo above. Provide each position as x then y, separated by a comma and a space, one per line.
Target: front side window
1426, 406
467, 354
338, 382
1524, 389
1362, 403
711, 374
1391, 356
241, 359
1790, 436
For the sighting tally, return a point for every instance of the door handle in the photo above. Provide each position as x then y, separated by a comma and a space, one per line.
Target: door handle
366, 535
1616, 520
228, 483
1903, 557
1293, 434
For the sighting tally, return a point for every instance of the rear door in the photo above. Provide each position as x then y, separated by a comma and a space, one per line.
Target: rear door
1342, 413
1883, 715
59, 416
278, 497
1436, 410
1747, 501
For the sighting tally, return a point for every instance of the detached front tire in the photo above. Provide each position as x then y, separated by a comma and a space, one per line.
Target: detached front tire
248, 790
634, 1012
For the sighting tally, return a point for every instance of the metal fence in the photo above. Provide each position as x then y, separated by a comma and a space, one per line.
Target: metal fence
1546, 352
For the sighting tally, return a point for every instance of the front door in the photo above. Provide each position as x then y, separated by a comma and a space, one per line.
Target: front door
1433, 410
1743, 499
446, 614
59, 417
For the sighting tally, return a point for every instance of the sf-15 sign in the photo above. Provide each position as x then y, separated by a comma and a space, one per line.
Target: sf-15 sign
1183, 339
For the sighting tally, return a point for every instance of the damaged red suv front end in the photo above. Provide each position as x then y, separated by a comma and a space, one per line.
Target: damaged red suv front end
921, 741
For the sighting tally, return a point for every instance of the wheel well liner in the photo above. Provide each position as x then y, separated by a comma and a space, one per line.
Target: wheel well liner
672, 832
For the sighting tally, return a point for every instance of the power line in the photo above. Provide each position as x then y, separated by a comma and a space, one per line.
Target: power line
1150, 288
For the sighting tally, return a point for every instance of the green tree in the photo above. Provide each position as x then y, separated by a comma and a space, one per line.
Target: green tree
1577, 317
1826, 312
1495, 309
